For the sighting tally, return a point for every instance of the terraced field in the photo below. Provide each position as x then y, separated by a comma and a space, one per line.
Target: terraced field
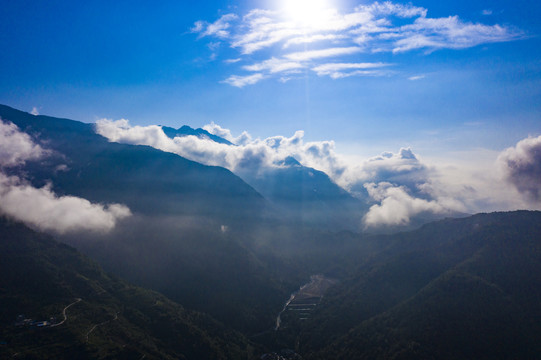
305, 300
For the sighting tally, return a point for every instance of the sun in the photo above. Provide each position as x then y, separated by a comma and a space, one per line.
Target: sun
307, 13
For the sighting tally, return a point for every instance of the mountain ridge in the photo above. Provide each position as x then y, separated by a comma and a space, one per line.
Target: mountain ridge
186, 130
477, 276
97, 165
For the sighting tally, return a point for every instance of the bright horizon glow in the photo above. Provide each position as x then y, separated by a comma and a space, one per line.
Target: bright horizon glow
308, 13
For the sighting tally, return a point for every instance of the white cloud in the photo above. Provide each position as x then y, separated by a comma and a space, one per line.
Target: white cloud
213, 46
389, 8
402, 168
396, 207
284, 79
242, 81
449, 33
521, 166
331, 67
341, 70
219, 28
34, 111
369, 29
16, 147
398, 186
260, 29
199, 26
217, 130
249, 155
312, 39
416, 77
471, 184
202, 150
274, 65
41, 208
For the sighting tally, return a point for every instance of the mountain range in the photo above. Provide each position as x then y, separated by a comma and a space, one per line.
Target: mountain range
298, 193
213, 257
454, 289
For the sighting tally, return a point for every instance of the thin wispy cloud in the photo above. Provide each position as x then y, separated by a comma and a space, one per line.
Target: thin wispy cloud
218, 29
274, 65
340, 70
266, 39
242, 81
312, 39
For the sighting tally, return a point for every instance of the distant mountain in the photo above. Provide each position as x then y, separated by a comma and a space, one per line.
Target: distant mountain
168, 184
308, 196
454, 289
101, 171
107, 318
185, 130
300, 194
178, 240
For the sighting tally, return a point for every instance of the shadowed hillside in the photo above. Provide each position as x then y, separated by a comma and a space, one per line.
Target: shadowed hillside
454, 289
112, 319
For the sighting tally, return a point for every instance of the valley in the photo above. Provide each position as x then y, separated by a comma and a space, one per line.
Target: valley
188, 261
304, 301
270, 180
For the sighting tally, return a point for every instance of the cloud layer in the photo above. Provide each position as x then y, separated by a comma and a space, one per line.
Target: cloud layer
273, 43
249, 156
41, 208
397, 186
522, 167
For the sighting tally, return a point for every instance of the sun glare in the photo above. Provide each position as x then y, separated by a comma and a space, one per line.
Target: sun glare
309, 13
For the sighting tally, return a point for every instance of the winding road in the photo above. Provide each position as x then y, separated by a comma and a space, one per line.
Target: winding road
64, 312
58, 324
102, 323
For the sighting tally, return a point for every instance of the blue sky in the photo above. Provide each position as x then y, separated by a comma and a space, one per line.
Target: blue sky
147, 63
451, 89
